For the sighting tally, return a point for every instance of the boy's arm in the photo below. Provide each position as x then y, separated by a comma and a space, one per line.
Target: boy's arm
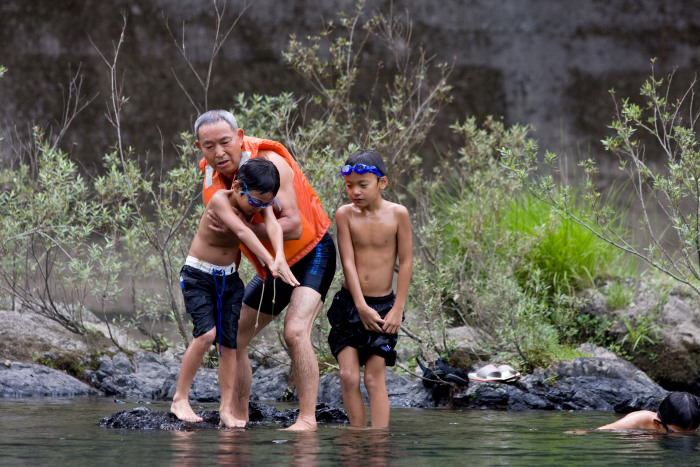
370, 318
221, 206
404, 240
274, 233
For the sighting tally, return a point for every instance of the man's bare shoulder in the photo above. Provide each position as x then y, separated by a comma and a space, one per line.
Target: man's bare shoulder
280, 162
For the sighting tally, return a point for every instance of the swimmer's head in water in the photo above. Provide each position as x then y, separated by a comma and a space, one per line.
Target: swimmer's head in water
679, 411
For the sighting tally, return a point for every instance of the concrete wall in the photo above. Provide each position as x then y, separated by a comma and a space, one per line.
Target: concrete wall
545, 62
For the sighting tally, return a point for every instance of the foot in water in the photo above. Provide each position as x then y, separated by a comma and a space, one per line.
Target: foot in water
184, 412
227, 420
302, 425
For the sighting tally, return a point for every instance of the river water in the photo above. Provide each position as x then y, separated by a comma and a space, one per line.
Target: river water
62, 432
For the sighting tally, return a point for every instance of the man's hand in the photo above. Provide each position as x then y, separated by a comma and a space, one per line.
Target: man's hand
215, 223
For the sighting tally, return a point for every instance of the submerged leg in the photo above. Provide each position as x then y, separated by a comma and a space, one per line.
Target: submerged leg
375, 382
350, 376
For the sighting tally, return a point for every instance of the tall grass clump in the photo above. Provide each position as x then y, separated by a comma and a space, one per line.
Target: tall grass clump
564, 255
662, 122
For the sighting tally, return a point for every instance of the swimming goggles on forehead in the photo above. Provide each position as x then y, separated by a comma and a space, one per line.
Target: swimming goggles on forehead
255, 202
361, 169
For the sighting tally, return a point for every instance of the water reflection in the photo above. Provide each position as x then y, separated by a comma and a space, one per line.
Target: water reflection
366, 447
307, 449
234, 448
680, 442
38, 432
636, 441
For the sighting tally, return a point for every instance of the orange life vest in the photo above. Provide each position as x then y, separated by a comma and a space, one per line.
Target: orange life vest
315, 222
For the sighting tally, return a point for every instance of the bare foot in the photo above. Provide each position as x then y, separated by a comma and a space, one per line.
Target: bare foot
183, 411
302, 425
229, 421
241, 414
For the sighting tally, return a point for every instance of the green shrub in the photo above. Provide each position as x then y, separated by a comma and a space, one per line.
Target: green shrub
619, 294
565, 256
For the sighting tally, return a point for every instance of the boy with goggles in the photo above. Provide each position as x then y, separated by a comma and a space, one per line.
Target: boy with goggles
366, 314
211, 287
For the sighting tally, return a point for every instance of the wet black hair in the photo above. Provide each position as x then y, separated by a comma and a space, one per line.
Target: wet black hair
681, 409
368, 157
261, 175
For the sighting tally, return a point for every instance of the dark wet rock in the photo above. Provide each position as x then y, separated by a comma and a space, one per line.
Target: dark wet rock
30, 380
601, 382
669, 352
142, 418
270, 384
142, 378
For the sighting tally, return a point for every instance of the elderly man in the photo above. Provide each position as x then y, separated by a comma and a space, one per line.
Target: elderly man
309, 249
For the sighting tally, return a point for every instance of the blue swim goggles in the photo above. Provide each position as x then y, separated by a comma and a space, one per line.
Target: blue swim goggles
360, 169
255, 202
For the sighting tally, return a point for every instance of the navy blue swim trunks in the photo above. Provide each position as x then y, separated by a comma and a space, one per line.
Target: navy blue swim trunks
315, 270
202, 290
347, 329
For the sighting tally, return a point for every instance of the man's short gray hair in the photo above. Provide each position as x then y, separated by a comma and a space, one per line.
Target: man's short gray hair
213, 116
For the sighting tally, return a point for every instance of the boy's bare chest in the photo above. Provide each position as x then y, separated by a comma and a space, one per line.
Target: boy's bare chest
373, 231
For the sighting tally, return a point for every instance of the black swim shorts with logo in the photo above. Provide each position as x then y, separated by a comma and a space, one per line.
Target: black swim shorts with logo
347, 329
315, 270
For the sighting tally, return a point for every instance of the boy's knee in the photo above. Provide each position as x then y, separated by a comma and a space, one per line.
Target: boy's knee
349, 378
207, 338
374, 381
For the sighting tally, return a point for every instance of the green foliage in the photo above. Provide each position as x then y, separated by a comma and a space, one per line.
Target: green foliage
460, 267
72, 364
66, 239
536, 332
56, 243
641, 330
564, 255
618, 294
158, 344
663, 123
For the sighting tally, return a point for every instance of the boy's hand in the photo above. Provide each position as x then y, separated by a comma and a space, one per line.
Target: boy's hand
280, 269
392, 321
370, 319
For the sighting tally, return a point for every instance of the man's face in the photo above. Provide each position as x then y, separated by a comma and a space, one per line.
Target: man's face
221, 147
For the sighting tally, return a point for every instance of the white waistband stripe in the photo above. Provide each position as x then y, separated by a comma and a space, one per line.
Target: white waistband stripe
208, 267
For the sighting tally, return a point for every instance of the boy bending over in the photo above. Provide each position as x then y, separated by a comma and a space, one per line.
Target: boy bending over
213, 292
366, 315
678, 412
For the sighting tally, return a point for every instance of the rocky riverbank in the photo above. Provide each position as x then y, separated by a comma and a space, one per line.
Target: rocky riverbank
599, 381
